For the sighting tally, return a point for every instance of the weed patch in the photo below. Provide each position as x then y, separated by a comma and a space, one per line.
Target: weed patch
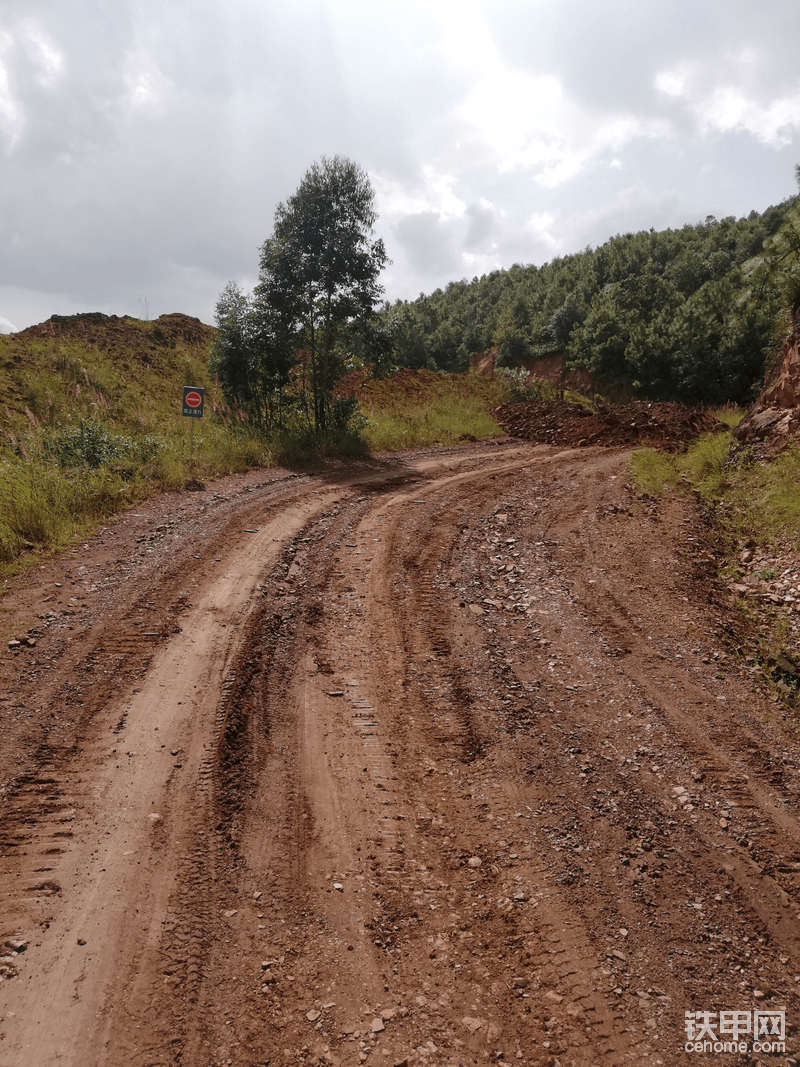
750, 499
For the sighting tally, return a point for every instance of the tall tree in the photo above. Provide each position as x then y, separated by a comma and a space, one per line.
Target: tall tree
319, 269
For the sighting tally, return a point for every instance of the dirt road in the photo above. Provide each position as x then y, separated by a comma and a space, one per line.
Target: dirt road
438, 761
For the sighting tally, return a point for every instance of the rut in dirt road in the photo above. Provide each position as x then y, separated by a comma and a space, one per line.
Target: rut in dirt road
466, 784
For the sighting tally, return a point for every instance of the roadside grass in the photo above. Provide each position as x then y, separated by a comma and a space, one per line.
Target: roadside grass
89, 433
749, 498
748, 495
59, 379
446, 420
416, 409
653, 472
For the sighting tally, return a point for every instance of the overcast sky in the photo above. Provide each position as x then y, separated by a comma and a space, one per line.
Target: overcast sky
144, 145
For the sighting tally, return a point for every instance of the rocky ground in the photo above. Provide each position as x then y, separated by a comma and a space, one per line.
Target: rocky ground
440, 760
636, 422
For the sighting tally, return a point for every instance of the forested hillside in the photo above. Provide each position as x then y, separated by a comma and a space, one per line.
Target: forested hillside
684, 314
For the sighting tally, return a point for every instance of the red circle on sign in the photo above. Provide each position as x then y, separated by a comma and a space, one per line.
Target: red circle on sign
193, 400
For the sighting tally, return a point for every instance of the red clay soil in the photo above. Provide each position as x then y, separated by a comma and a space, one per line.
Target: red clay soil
436, 762
665, 425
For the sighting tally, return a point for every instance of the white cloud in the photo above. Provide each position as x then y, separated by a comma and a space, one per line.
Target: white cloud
774, 123
673, 82
529, 121
540, 228
46, 58
430, 191
6, 326
742, 100
145, 84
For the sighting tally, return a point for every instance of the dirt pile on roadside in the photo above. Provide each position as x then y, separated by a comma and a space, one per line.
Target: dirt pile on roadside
777, 414
120, 333
564, 423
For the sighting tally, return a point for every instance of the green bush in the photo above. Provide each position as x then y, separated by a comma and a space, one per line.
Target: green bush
91, 444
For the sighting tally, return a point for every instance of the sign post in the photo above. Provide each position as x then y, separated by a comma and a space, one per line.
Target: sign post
193, 399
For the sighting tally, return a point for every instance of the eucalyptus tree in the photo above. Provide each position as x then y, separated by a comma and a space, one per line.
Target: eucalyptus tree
319, 270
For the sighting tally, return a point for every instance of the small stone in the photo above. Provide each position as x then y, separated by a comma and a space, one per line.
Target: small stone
378, 1025
81, 941
472, 1024
387, 1014
401, 1063
338, 887
16, 944
476, 609
474, 861
619, 955
520, 897
336, 693
556, 997
13, 643
759, 994
266, 964
723, 823
155, 818
519, 983
623, 932
257, 896
312, 1015
230, 914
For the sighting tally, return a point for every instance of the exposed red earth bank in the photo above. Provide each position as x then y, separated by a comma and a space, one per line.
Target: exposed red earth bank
438, 760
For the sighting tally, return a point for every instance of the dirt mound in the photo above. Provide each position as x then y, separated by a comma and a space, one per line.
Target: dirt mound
564, 423
114, 333
777, 414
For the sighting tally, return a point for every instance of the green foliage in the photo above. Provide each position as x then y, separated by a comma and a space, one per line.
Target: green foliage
91, 444
448, 408
103, 427
318, 282
653, 471
748, 496
252, 356
779, 268
279, 352
42, 505
671, 315
523, 385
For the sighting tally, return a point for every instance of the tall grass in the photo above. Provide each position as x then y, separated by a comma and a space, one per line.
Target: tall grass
749, 496
89, 432
42, 505
446, 421
442, 409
